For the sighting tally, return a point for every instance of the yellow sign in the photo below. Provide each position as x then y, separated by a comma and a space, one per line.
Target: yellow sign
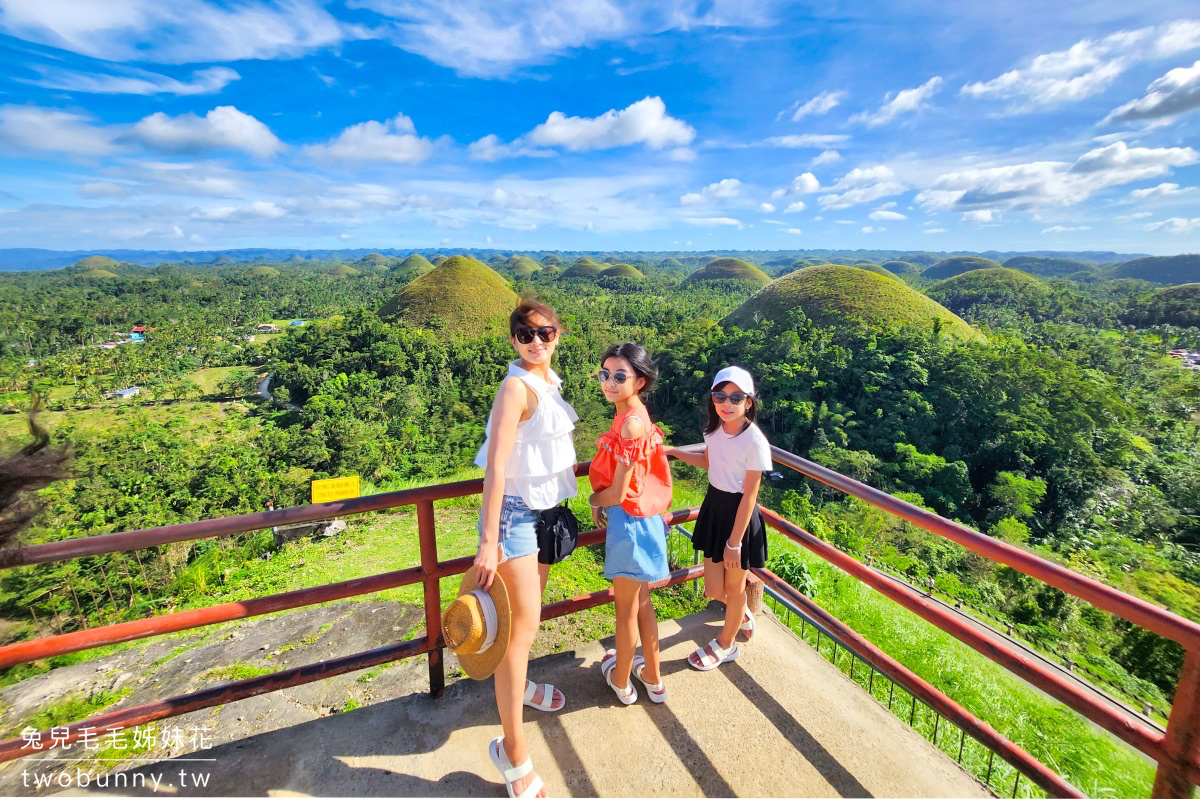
334, 488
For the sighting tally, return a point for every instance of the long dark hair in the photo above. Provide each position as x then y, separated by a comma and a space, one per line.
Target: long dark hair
34, 466
638, 358
714, 421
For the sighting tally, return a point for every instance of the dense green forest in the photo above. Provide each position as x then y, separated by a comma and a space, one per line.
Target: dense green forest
1039, 406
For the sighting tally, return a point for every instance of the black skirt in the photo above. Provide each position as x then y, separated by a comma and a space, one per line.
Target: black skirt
718, 512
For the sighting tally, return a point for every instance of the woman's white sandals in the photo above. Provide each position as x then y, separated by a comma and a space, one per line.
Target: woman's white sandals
628, 695
711, 655
748, 626
656, 691
547, 704
512, 773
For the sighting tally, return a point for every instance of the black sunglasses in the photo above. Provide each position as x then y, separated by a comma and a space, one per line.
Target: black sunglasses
618, 377
525, 334
737, 397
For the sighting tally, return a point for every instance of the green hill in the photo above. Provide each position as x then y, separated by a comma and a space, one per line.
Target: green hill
627, 271
1001, 286
956, 265
412, 267
1177, 305
901, 267
1048, 267
373, 262
833, 295
584, 268
522, 266
264, 271
550, 269
670, 263
94, 262
876, 268
97, 274
729, 269
343, 270
465, 295
437, 260
1166, 270
552, 260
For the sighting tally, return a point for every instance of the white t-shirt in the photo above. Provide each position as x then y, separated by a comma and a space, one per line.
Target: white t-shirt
730, 457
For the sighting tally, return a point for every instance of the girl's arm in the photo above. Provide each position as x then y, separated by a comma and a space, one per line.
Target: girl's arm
733, 557
623, 473
511, 403
697, 459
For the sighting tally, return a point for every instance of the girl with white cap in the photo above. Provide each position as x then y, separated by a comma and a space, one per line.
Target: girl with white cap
729, 530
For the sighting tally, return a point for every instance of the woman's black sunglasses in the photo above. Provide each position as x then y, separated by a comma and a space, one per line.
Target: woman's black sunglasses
618, 377
525, 334
737, 397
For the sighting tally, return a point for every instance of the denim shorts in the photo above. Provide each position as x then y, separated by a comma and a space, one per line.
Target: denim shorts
635, 546
518, 529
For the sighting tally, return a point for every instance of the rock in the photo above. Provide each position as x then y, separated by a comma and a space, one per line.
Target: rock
334, 527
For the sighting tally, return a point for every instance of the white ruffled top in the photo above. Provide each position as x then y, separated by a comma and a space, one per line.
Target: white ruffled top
541, 468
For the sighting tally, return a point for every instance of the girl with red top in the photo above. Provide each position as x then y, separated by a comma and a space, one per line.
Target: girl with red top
632, 486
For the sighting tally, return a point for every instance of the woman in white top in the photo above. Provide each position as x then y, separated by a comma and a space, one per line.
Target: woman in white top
529, 462
729, 530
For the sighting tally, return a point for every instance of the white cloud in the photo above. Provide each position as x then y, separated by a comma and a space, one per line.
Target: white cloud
27, 128
802, 140
1086, 68
394, 140
806, 183
1174, 93
863, 176
935, 230
724, 189
795, 207
1176, 224
681, 154
713, 221
908, 101
795, 231
979, 217
644, 122
886, 216
826, 157
862, 185
1161, 190
823, 103
491, 148
767, 208
180, 31
501, 198
869, 229
98, 189
1065, 228
136, 81
223, 128
1042, 184
259, 209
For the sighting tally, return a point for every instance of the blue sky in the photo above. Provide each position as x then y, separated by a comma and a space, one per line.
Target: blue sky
600, 125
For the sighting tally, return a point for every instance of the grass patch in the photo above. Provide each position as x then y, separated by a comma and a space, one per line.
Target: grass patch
68, 709
237, 671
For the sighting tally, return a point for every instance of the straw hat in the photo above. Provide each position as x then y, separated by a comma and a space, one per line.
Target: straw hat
476, 625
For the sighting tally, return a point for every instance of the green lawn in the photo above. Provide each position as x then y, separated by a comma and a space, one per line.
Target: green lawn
209, 379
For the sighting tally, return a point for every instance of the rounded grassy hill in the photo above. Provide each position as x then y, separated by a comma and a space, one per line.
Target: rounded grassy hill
833, 295
373, 262
584, 268
1048, 267
870, 266
1003, 287
412, 267
522, 266
94, 262
465, 295
551, 260
1167, 270
343, 270
729, 269
956, 265
628, 271
97, 274
437, 260
264, 271
901, 267
670, 263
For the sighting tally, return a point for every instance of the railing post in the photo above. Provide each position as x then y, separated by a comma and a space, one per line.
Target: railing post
1183, 733
427, 533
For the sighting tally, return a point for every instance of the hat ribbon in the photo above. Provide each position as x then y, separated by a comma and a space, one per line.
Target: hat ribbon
490, 621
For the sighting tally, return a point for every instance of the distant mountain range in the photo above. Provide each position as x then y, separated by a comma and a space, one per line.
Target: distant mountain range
30, 259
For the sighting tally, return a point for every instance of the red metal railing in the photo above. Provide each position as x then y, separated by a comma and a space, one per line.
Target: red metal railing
1175, 751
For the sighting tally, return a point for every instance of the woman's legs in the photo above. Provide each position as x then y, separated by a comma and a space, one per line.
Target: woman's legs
714, 580
735, 604
647, 624
524, 597
627, 605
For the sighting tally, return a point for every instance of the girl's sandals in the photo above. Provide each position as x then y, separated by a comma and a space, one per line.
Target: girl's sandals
656, 691
748, 626
711, 655
547, 704
512, 773
628, 695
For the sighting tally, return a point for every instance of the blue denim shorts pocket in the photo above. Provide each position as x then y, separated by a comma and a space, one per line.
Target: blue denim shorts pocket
518, 529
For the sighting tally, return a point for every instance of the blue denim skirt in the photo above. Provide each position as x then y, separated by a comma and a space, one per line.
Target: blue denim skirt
635, 546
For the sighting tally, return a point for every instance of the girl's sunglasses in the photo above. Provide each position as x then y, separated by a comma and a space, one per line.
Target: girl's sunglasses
525, 334
737, 397
619, 377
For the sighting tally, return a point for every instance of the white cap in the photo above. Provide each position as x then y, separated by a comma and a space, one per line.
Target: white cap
736, 375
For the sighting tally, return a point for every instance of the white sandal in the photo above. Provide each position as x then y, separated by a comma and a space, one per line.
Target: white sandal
628, 695
656, 691
714, 651
547, 703
512, 773
748, 626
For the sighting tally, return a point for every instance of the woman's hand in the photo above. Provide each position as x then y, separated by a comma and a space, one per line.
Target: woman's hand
486, 561
599, 517
733, 557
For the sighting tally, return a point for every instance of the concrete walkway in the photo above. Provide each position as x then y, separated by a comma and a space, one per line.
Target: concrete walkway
780, 721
